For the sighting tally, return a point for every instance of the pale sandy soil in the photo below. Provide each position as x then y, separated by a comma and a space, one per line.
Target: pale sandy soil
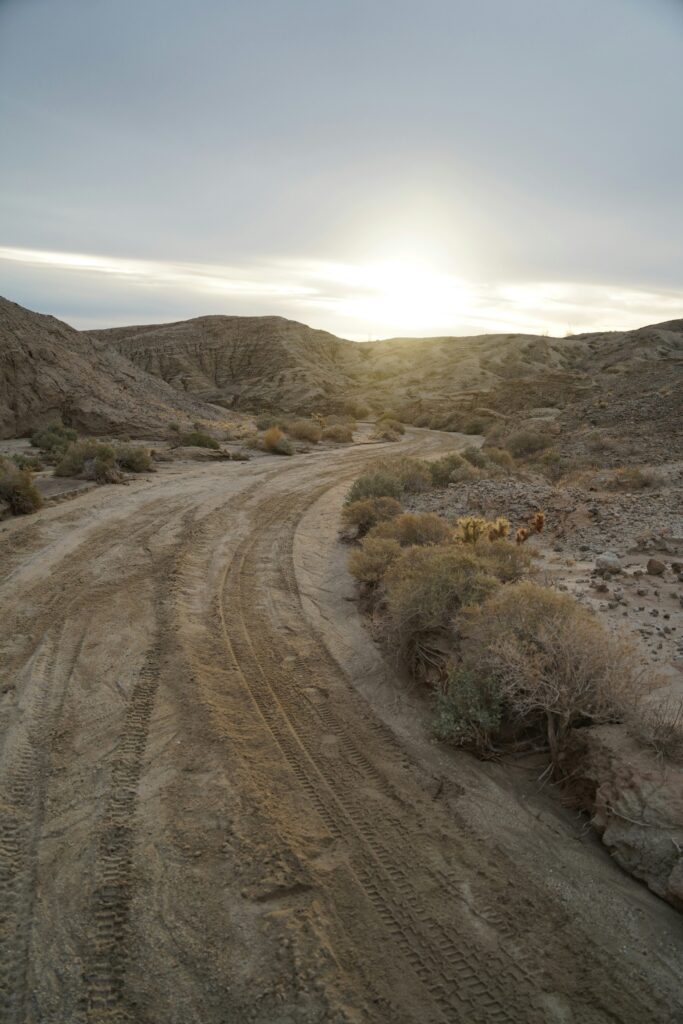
218, 803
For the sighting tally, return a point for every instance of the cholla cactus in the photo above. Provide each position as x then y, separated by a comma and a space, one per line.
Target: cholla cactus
471, 528
523, 534
500, 529
537, 522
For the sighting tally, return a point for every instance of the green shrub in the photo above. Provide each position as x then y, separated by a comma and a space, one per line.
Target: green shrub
17, 489
134, 459
450, 469
266, 420
363, 515
53, 439
474, 427
500, 457
425, 588
526, 442
304, 430
508, 562
414, 528
369, 562
385, 423
382, 432
274, 441
199, 439
31, 462
475, 456
90, 460
467, 711
631, 478
354, 408
374, 485
413, 475
338, 432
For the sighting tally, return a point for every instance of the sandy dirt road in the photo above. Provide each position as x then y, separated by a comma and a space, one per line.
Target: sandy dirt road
204, 818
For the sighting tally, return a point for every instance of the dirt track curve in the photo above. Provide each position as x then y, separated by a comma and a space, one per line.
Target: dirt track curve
202, 819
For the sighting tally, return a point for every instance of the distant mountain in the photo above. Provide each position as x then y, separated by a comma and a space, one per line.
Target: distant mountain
50, 371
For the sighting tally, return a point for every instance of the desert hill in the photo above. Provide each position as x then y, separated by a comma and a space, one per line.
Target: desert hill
245, 361
443, 382
50, 371
138, 378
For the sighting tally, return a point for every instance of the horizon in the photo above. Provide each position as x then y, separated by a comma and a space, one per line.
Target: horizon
339, 337
464, 179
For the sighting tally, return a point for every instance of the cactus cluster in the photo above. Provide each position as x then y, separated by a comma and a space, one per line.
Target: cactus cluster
535, 525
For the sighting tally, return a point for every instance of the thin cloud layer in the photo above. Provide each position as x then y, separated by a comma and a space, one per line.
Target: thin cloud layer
360, 301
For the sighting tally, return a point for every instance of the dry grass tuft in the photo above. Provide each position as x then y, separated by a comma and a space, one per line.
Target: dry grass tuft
17, 489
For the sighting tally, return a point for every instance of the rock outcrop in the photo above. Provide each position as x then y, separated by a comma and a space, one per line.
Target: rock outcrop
636, 803
50, 371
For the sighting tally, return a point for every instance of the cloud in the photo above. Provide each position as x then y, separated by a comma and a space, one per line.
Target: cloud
359, 300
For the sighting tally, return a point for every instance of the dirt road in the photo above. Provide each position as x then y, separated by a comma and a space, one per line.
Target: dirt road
205, 816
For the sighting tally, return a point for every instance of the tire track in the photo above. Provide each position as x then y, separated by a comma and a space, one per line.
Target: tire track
451, 971
25, 771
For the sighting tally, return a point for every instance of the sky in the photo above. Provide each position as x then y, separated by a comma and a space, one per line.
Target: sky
369, 167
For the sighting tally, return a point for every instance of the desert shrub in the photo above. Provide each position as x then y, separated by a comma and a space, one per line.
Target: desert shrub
508, 562
550, 463
631, 478
382, 432
467, 710
199, 439
338, 432
375, 484
554, 665
54, 438
412, 475
414, 528
266, 420
340, 419
475, 456
500, 457
363, 515
659, 728
240, 456
275, 441
385, 423
174, 427
425, 588
391, 478
526, 442
304, 430
134, 459
353, 407
32, 462
450, 469
17, 489
370, 562
474, 426
90, 460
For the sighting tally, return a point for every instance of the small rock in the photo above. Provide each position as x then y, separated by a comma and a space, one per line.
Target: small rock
608, 562
655, 567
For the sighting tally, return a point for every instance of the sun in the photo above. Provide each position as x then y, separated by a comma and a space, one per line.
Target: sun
404, 296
